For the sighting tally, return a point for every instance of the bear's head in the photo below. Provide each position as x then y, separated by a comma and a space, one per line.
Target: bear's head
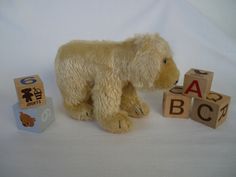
153, 66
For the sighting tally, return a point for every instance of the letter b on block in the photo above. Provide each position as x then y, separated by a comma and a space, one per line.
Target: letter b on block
175, 104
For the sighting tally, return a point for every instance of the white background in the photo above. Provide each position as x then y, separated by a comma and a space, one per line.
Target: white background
221, 13
31, 32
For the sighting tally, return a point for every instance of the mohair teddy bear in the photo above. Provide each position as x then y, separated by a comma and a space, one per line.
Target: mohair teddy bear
98, 79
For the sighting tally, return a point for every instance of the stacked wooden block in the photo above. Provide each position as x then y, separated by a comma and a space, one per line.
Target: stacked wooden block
208, 107
34, 112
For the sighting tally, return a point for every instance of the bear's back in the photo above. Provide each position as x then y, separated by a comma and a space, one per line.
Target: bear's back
87, 49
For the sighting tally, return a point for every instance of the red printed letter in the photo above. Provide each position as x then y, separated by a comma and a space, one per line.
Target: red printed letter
197, 90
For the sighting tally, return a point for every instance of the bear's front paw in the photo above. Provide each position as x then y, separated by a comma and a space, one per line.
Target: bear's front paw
116, 123
81, 111
138, 110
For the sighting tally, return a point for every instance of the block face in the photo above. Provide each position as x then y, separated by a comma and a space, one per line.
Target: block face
223, 102
211, 111
46, 114
175, 104
34, 119
26, 119
204, 112
30, 91
197, 83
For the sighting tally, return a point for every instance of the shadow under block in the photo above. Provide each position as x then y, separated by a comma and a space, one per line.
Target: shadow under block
197, 83
30, 91
34, 119
175, 104
211, 111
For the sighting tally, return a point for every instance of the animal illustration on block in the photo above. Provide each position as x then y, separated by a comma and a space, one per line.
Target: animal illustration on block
26, 120
34, 119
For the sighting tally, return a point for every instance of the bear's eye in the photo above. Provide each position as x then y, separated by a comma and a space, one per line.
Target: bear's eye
165, 60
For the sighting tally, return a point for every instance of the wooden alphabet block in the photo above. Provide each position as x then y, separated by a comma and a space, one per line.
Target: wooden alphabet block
34, 119
175, 104
30, 91
211, 111
197, 83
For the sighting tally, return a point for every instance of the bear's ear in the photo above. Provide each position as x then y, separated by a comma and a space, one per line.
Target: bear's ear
144, 68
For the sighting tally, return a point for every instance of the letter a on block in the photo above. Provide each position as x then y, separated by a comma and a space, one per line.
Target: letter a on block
197, 83
194, 87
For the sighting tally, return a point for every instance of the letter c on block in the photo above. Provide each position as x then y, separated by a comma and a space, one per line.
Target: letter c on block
199, 112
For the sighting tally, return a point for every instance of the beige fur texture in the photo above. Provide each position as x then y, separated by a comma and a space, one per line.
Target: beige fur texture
98, 79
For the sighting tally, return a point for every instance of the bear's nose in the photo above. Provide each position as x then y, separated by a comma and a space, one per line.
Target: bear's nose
176, 82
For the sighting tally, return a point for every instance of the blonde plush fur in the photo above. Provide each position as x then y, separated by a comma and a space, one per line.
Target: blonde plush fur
98, 79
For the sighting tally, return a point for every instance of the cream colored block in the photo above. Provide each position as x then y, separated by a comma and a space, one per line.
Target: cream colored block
175, 104
197, 83
30, 91
211, 111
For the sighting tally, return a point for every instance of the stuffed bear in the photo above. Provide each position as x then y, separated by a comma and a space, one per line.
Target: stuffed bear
98, 79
